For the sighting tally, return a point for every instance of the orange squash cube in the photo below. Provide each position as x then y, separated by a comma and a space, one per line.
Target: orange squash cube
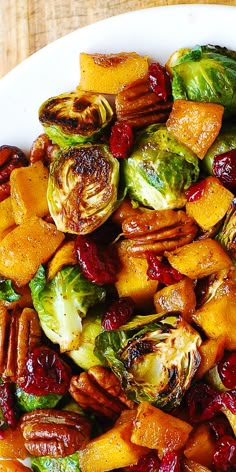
7, 222
177, 297
109, 73
212, 206
12, 465
191, 466
13, 444
195, 124
210, 352
200, 445
155, 429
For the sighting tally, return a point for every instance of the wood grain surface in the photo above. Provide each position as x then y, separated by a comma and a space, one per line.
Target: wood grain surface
28, 25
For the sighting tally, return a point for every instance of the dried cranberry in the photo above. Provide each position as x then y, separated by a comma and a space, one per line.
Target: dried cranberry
147, 463
195, 191
224, 168
198, 399
224, 457
11, 157
220, 426
7, 404
45, 372
159, 80
121, 140
118, 313
170, 462
98, 262
227, 370
161, 270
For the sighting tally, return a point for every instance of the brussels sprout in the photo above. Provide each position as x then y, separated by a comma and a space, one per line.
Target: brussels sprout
63, 464
7, 292
225, 141
154, 356
29, 402
160, 169
75, 118
205, 74
83, 188
84, 356
62, 303
227, 234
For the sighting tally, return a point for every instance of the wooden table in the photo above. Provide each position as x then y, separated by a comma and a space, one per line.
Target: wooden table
28, 25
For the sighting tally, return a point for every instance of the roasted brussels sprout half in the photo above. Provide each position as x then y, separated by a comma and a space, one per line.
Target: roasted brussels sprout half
205, 74
154, 356
62, 303
160, 169
227, 234
29, 402
83, 188
75, 118
225, 141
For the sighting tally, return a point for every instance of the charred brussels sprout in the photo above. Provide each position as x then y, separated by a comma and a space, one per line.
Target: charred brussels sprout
74, 118
227, 233
160, 169
83, 188
155, 357
205, 74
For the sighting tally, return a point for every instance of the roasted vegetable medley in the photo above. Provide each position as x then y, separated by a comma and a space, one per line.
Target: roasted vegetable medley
117, 271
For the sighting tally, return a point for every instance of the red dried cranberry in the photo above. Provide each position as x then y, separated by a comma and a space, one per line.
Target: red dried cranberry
11, 157
227, 370
224, 457
118, 313
161, 270
170, 462
224, 168
45, 372
159, 80
220, 426
195, 191
98, 262
147, 463
7, 404
121, 140
198, 399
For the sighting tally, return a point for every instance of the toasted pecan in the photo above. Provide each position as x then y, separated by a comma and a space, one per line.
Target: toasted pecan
98, 390
54, 433
137, 105
19, 332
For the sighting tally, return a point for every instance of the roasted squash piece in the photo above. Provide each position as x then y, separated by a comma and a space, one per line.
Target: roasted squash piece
12, 465
211, 352
132, 279
200, 445
13, 444
177, 297
111, 450
212, 205
108, 73
195, 124
199, 258
29, 191
158, 430
191, 466
26, 247
7, 221
65, 255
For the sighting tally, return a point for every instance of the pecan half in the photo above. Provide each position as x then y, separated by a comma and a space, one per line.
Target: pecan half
157, 231
54, 433
98, 390
137, 105
11, 157
19, 332
42, 149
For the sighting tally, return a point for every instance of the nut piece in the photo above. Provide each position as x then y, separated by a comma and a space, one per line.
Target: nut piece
137, 105
19, 333
98, 390
158, 231
11, 157
42, 149
54, 433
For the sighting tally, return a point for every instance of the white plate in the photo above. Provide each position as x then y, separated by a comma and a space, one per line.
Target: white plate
55, 69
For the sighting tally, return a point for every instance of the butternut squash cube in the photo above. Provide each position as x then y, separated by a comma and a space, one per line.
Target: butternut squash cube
65, 255
132, 279
212, 206
12, 465
200, 445
191, 466
7, 221
29, 191
26, 247
111, 450
199, 258
12, 446
155, 429
108, 73
195, 124
210, 352
177, 297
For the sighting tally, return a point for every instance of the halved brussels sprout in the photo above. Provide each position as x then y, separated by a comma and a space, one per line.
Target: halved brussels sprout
227, 234
74, 118
160, 169
83, 188
154, 356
